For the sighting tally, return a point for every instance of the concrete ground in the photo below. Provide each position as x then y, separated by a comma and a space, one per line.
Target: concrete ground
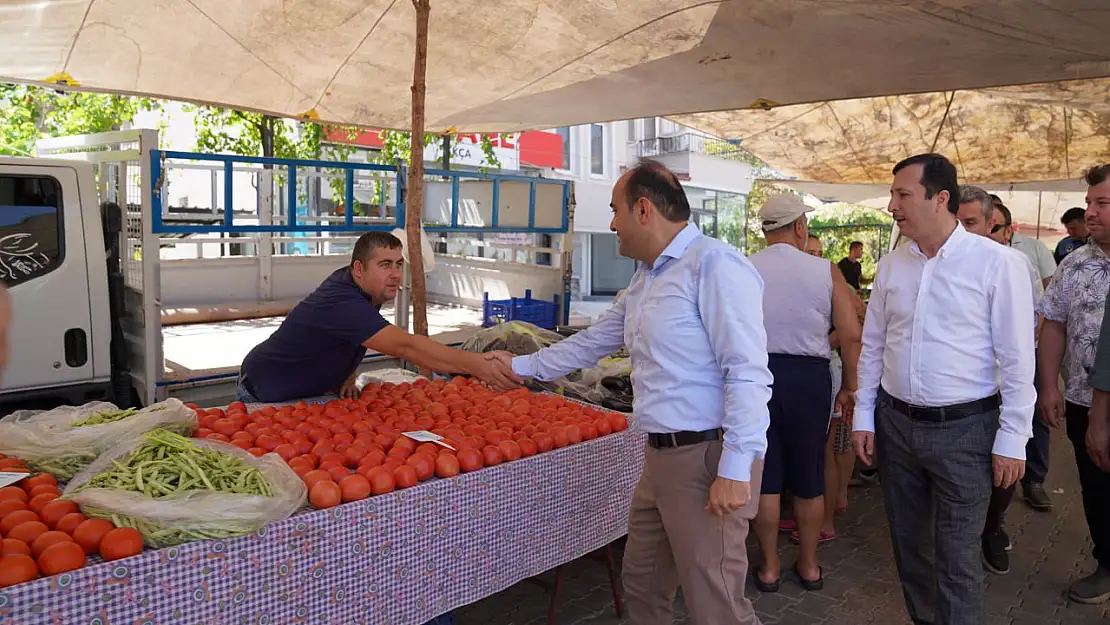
861, 587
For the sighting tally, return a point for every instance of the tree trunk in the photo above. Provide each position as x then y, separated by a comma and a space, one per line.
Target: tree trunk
414, 203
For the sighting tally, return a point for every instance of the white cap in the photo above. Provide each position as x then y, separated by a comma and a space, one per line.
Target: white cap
782, 210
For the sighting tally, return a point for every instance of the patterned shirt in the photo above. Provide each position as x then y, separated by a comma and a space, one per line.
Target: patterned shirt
1076, 297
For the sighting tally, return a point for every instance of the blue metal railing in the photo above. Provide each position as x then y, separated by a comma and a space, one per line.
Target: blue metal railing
291, 167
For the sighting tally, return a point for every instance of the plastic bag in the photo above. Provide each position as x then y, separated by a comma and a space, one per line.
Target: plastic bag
387, 376
50, 442
607, 384
191, 514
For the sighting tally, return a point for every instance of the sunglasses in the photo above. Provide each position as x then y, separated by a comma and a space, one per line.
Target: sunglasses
998, 227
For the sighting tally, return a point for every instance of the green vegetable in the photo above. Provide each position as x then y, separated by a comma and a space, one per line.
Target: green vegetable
168, 463
110, 416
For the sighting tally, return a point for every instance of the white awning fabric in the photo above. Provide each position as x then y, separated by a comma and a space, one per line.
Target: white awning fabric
527, 64
1031, 204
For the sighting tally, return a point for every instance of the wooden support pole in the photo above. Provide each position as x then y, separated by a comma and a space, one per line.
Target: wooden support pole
414, 203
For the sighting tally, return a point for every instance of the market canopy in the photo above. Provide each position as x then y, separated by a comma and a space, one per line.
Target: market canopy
1035, 132
1038, 206
529, 64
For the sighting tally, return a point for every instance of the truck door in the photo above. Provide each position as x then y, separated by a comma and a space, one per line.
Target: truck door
42, 260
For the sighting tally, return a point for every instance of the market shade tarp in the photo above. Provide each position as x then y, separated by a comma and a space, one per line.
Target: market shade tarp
1008, 134
1031, 204
524, 64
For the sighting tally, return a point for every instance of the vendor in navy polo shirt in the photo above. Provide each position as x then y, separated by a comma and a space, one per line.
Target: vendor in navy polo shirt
318, 347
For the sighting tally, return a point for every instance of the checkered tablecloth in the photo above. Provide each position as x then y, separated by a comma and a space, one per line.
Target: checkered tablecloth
397, 559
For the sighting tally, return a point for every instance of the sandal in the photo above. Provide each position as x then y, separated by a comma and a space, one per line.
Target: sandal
787, 525
811, 584
823, 538
766, 586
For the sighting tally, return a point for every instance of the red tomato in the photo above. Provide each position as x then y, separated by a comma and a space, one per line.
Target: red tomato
604, 428
354, 488
338, 472
227, 427
216, 436
286, 451
269, 442
374, 457
574, 434
544, 441
510, 450
381, 480
314, 476
559, 437
447, 466
528, 447
491, 456
404, 476
618, 422
324, 494
423, 465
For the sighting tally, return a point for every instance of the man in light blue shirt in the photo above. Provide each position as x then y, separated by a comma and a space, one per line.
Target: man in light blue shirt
692, 320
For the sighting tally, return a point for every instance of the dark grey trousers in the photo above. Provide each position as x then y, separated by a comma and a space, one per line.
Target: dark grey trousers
937, 481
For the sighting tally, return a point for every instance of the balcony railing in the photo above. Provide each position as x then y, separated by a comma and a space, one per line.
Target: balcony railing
690, 142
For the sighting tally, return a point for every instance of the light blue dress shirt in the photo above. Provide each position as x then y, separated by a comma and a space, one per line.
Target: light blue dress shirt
693, 325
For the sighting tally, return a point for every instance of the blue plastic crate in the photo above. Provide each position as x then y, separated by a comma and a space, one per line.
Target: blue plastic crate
544, 314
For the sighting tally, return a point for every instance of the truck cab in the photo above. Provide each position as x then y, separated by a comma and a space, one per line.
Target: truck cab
52, 257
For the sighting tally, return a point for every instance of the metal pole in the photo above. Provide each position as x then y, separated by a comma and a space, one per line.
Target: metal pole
1040, 196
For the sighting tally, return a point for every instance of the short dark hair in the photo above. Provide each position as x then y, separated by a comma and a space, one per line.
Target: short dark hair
1097, 174
1073, 214
370, 241
652, 180
1008, 219
814, 236
937, 174
854, 244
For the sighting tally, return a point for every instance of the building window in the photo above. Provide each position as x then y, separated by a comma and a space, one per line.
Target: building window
649, 127
564, 132
597, 149
609, 271
30, 227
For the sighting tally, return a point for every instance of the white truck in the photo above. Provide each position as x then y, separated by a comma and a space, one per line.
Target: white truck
124, 287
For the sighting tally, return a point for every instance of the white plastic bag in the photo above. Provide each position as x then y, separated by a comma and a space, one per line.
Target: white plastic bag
190, 514
50, 442
388, 376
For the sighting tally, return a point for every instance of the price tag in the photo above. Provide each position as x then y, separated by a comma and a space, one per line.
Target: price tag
425, 436
7, 479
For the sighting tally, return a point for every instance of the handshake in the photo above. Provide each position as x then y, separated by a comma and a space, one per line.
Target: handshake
496, 369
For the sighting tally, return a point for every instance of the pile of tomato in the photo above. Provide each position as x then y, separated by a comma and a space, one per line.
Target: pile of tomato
347, 450
43, 535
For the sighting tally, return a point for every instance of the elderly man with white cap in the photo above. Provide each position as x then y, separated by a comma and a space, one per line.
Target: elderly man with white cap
802, 296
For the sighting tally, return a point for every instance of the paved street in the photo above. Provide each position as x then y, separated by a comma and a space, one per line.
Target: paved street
1050, 550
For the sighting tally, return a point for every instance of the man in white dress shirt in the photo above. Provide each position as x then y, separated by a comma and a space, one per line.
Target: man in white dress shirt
947, 312
979, 215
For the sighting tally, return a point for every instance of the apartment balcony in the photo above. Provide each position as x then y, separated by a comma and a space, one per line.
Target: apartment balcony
701, 161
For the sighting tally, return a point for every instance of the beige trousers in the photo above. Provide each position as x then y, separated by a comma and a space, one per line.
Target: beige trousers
674, 541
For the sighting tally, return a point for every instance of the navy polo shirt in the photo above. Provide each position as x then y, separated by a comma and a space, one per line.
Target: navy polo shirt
318, 345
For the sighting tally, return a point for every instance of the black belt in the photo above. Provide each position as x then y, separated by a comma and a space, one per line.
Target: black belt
681, 439
941, 414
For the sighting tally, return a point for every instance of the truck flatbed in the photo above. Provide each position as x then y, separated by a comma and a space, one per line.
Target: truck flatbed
205, 350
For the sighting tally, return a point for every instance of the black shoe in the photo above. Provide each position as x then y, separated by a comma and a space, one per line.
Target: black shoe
1036, 496
866, 477
1093, 589
995, 558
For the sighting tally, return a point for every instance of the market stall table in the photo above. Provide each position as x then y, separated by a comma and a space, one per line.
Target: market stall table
399, 559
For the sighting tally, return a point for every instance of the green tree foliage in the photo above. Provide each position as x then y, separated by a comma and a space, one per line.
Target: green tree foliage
31, 113
839, 224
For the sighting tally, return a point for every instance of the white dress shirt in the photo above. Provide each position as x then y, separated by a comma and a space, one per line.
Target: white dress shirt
937, 329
